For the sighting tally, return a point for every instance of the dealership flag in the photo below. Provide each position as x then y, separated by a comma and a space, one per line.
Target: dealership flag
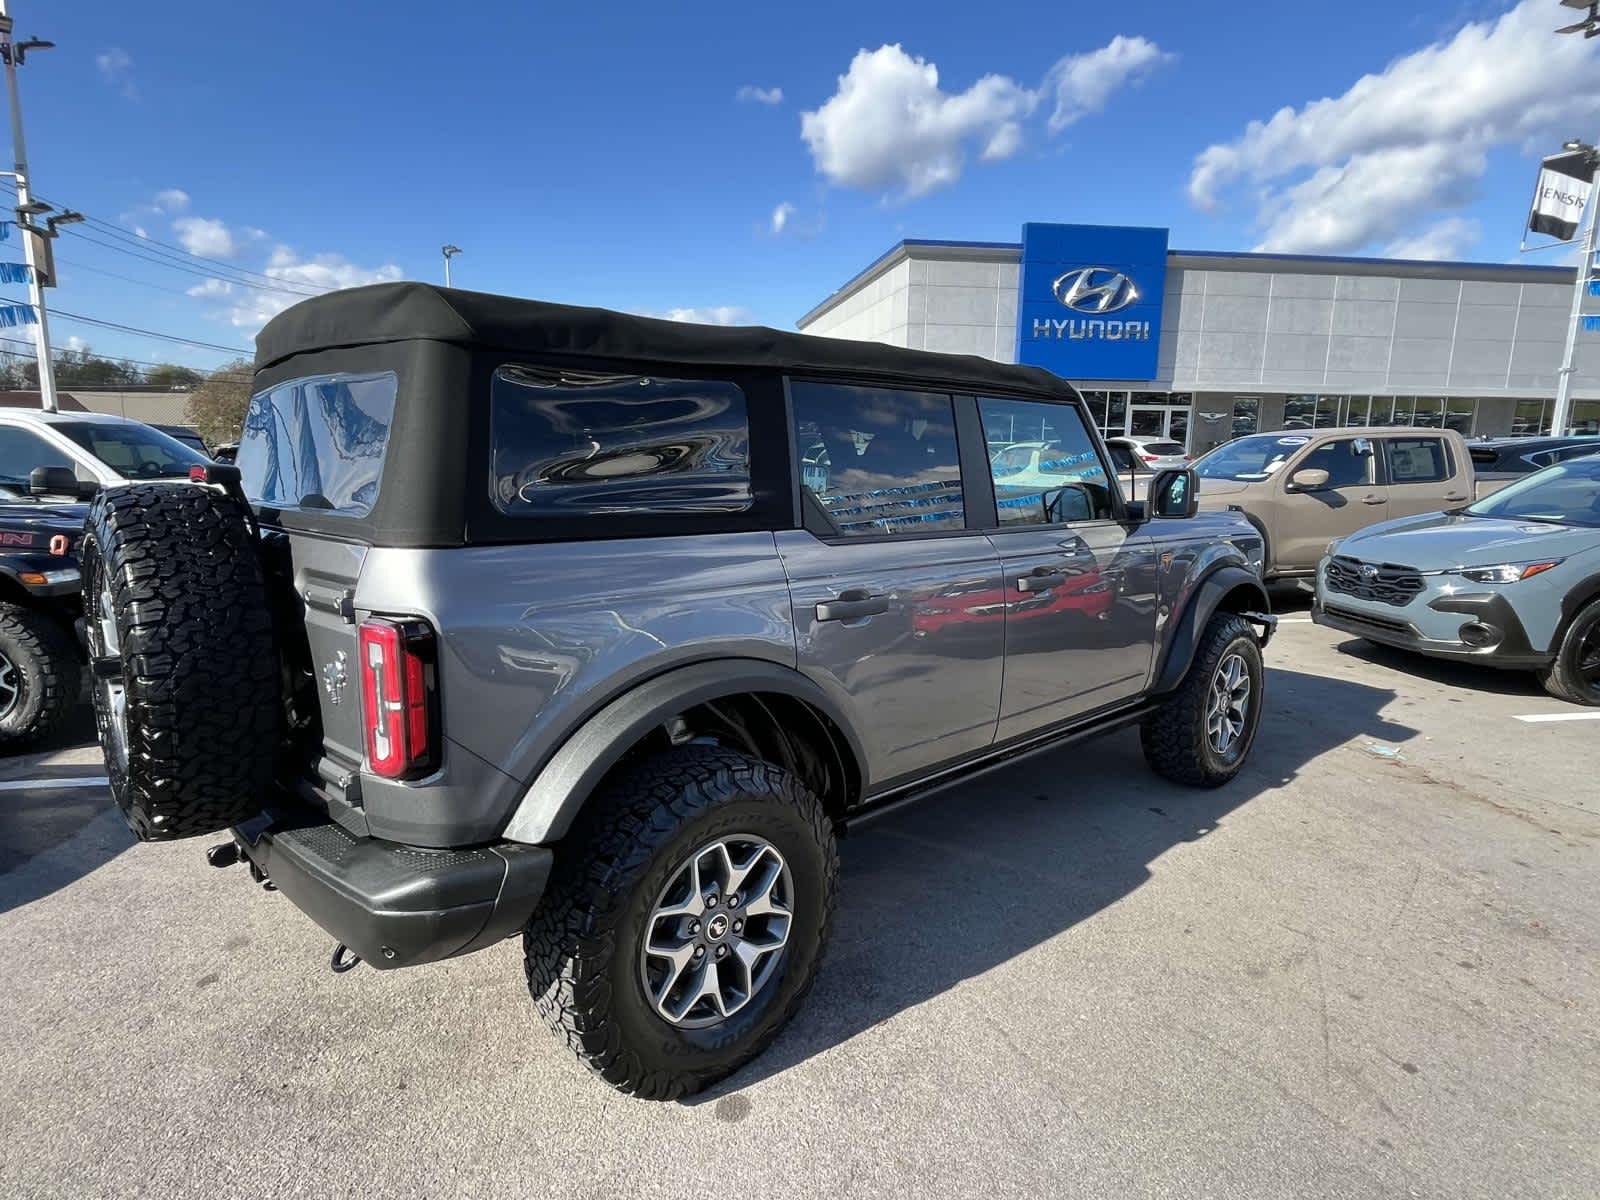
1565, 181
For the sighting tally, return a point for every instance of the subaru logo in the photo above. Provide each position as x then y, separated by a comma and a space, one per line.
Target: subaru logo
1095, 290
1368, 571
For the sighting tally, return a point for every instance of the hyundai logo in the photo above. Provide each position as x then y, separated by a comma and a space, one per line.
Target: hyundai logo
1095, 290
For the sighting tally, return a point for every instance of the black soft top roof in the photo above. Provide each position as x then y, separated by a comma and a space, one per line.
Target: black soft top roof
397, 312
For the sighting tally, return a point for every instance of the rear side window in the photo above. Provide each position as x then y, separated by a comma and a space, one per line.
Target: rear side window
876, 460
1043, 463
570, 443
317, 443
1416, 460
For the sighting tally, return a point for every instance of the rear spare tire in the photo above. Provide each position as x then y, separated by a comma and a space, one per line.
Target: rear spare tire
186, 677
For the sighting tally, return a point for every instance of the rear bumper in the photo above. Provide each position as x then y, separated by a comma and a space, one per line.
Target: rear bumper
394, 905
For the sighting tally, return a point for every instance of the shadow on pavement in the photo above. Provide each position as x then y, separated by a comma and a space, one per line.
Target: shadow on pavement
57, 822
944, 890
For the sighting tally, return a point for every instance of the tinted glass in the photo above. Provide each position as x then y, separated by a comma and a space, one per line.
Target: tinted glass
1565, 494
318, 442
571, 443
1051, 473
1416, 460
878, 461
1163, 448
133, 450
1344, 466
21, 450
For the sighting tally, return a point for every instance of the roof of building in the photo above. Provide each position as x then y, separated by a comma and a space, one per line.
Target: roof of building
396, 312
75, 416
65, 401
1247, 260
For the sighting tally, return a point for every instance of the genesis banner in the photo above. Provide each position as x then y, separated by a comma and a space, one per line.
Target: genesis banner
1565, 181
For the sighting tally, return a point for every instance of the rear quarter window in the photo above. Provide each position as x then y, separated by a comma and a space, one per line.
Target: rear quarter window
568, 443
317, 443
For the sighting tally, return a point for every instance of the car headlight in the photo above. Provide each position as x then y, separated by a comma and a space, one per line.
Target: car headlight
1331, 546
1508, 572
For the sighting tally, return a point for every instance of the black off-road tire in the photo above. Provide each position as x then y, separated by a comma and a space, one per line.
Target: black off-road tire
1564, 678
1174, 735
582, 945
45, 673
174, 567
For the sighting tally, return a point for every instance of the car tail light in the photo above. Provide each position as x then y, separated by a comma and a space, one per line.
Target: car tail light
1149, 457
399, 697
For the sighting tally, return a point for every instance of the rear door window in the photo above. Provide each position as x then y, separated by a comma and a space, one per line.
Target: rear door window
575, 443
877, 460
1416, 460
317, 443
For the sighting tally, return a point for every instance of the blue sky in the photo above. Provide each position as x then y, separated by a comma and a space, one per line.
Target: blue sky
603, 153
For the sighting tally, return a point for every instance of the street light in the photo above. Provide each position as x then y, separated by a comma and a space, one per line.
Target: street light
450, 252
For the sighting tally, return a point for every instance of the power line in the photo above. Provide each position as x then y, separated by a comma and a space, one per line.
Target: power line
187, 267
138, 362
166, 337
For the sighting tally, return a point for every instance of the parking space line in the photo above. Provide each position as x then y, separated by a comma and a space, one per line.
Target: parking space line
1294, 620
1540, 718
71, 781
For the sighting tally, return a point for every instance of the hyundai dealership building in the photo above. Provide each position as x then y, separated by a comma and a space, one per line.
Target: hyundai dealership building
1202, 346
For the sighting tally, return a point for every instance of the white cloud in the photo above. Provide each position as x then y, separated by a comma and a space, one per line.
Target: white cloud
211, 288
116, 68
1386, 156
781, 216
205, 237
320, 273
1448, 239
1082, 83
172, 201
749, 93
75, 343
890, 126
721, 314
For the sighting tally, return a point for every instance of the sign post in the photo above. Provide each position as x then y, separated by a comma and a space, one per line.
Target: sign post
1561, 208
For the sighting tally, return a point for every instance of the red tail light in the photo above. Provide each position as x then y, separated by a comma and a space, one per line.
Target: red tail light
1149, 457
399, 697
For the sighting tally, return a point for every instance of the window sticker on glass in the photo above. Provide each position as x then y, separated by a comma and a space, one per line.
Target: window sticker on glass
1293, 441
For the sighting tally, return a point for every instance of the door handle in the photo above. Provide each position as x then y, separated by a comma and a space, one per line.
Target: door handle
851, 604
1040, 579
1374, 499
1454, 496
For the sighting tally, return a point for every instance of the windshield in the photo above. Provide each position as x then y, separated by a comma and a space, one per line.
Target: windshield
1565, 494
134, 451
1250, 459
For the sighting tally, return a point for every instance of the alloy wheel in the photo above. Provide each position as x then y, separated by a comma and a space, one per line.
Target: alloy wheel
10, 686
1228, 704
112, 689
717, 932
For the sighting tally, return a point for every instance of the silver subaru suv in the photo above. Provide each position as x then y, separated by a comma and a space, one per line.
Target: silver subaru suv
515, 618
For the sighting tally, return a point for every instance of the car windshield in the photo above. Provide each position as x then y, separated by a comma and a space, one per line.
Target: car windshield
1250, 459
1565, 494
132, 450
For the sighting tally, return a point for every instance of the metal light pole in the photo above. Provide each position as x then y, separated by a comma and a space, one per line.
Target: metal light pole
13, 54
449, 252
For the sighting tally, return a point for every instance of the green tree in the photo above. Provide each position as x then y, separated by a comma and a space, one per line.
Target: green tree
217, 406
170, 375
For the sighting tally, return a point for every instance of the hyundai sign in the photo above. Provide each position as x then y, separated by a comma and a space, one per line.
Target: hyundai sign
1090, 300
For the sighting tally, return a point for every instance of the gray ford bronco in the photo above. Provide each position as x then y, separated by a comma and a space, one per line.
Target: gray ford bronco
515, 618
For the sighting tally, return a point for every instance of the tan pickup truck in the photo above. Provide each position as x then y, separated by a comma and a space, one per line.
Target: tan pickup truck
1303, 488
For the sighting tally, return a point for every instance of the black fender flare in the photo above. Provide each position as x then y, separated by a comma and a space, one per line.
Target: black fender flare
1224, 580
563, 785
1578, 597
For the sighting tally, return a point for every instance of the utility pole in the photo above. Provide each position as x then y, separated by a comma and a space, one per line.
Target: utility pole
449, 252
1561, 418
26, 207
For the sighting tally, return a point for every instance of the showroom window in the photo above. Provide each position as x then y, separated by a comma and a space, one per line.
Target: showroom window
1246, 415
876, 461
1050, 474
1529, 418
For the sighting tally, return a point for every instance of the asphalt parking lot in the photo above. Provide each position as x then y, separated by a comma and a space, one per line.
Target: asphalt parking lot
1370, 967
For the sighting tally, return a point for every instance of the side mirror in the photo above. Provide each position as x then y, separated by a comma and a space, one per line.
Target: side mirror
88, 489
1309, 479
52, 481
1175, 494
1068, 503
